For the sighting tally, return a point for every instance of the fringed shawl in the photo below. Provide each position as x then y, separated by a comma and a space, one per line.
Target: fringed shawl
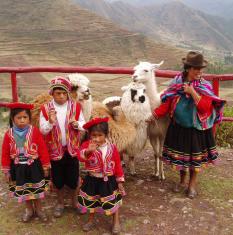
202, 87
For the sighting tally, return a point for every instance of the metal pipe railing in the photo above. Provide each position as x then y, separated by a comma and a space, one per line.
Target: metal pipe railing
215, 78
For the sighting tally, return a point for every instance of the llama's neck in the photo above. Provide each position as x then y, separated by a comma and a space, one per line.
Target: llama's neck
86, 108
152, 92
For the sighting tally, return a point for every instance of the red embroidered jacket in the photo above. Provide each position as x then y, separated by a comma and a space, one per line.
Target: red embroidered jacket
110, 166
53, 138
35, 147
204, 106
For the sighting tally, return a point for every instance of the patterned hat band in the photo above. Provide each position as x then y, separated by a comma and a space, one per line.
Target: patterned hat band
60, 82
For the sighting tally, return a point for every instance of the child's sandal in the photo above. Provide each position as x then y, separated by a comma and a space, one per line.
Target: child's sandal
88, 226
178, 188
42, 216
192, 193
58, 211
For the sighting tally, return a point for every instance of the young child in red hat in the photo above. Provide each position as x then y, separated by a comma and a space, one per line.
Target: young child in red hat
61, 121
102, 188
25, 161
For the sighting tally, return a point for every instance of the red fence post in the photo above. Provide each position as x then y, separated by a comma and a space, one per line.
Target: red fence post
216, 86
14, 87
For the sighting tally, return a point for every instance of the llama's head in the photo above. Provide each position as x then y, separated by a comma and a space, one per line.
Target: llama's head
137, 92
135, 102
80, 86
144, 71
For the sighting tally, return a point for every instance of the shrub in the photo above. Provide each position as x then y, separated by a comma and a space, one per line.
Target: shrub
224, 135
4, 116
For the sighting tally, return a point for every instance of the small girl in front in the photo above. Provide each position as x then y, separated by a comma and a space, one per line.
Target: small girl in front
25, 161
102, 188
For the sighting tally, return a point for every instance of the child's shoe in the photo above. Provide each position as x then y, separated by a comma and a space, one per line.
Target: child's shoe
58, 211
88, 226
42, 215
191, 193
179, 188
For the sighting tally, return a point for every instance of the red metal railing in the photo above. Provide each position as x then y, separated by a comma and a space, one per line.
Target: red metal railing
104, 70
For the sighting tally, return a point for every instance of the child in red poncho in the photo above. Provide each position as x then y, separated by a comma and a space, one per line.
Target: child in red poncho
25, 161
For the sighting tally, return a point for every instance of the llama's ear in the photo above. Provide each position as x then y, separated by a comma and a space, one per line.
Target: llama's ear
124, 88
155, 66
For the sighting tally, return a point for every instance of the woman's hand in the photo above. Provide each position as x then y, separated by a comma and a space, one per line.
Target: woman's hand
151, 119
189, 89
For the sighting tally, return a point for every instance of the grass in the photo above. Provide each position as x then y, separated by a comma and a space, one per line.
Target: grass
211, 183
10, 215
224, 135
220, 188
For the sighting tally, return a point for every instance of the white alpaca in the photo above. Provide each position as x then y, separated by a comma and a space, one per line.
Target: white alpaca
136, 108
80, 89
144, 73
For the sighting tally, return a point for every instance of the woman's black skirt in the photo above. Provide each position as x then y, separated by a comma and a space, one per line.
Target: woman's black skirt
189, 148
97, 195
27, 181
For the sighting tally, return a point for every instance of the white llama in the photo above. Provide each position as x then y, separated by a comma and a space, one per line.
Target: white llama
81, 93
144, 73
135, 106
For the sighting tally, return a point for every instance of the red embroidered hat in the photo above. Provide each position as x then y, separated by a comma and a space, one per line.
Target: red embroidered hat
19, 105
95, 121
60, 82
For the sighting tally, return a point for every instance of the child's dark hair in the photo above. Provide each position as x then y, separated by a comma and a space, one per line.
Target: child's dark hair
58, 88
101, 127
14, 112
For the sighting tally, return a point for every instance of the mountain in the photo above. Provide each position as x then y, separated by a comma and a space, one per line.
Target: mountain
125, 15
187, 26
223, 8
142, 3
61, 32
173, 22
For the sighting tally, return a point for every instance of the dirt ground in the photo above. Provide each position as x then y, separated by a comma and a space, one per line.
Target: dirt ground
150, 206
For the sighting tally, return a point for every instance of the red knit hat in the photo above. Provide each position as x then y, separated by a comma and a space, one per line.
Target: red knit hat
19, 105
60, 82
94, 122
